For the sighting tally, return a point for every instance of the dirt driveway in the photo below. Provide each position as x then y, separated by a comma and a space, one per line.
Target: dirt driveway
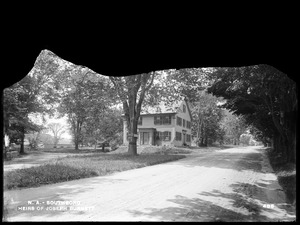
228, 185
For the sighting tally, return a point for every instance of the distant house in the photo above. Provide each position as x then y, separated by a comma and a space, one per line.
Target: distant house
164, 125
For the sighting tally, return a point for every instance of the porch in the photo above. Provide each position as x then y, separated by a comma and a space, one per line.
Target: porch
146, 136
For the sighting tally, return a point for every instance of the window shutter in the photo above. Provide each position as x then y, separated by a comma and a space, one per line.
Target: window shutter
140, 121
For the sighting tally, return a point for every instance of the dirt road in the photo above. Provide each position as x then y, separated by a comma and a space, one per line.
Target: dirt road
229, 185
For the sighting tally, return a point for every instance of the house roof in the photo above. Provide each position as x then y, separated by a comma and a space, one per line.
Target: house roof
161, 108
164, 108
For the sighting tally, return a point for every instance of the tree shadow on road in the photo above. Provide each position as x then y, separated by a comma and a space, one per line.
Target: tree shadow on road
235, 161
246, 205
197, 209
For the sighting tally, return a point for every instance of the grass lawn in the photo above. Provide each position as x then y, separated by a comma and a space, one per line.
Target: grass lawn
80, 166
70, 150
163, 150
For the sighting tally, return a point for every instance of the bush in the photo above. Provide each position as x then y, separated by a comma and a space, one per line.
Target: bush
245, 139
113, 145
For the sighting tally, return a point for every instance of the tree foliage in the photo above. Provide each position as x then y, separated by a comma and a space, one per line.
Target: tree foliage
234, 126
267, 99
206, 119
103, 126
33, 94
46, 138
85, 93
57, 130
131, 91
245, 139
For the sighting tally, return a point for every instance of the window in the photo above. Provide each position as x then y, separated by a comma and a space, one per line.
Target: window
164, 136
179, 121
166, 119
162, 120
183, 122
167, 136
188, 124
157, 120
188, 138
140, 121
178, 136
184, 108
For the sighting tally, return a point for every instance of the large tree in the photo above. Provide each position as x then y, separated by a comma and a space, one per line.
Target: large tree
57, 130
35, 93
84, 91
266, 97
131, 91
139, 91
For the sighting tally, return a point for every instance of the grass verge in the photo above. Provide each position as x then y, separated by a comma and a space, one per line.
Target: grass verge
71, 150
162, 150
80, 166
286, 174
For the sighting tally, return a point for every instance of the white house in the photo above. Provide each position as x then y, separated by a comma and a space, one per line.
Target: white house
164, 125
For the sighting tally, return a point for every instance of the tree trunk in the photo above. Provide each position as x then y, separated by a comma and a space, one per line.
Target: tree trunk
132, 148
291, 142
77, 134
22, 150
55, 142
272, 143
292, 152
199, 133
76, 145
205, 142
95, 141
131, 129
133, 118
76, 141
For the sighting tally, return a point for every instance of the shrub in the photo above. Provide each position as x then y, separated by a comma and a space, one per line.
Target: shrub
113, 145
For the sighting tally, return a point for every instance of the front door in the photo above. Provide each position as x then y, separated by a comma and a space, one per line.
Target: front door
183, 138
145, 138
